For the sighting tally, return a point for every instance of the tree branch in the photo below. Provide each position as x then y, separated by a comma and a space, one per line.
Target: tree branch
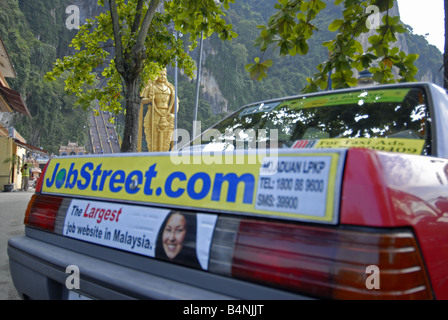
145, 26
138, 16
119, 57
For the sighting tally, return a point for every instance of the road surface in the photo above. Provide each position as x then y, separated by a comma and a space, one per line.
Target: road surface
12, 212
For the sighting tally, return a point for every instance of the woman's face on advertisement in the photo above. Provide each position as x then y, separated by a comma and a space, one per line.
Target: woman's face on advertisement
174, 235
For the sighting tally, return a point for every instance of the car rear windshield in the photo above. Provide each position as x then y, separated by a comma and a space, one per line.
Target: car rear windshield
393, 119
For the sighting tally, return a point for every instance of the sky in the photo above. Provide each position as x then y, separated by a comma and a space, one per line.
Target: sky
425, 17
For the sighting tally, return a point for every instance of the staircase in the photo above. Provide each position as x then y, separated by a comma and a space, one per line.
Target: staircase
103, 135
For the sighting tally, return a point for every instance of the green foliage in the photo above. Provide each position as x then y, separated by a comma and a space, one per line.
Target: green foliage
35, 35
292, 26
258, 71
187, 99
430, 58
161, 49
143, 45
32, 41
55, 121
205, 16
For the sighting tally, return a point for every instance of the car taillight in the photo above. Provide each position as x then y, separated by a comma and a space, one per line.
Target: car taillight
332, 263
42, 211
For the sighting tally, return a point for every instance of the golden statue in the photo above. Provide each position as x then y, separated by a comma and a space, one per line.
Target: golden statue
159, 119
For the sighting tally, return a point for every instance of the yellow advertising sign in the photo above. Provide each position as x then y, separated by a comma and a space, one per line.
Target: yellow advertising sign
284, 185
410, 146
399, 145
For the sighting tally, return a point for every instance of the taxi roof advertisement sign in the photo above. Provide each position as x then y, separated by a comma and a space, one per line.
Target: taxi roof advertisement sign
293, 184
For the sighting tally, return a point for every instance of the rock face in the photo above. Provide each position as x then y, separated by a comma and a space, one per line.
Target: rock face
212, 93
88, 9
5, 118
210, 90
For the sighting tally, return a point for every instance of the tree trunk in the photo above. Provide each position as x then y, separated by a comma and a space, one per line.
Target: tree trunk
130, 65
130, 134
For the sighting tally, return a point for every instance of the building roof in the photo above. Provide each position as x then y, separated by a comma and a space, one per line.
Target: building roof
13, 100
30, 147
6, 66
10, 100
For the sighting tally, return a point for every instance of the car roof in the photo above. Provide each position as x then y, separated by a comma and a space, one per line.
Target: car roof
351, 89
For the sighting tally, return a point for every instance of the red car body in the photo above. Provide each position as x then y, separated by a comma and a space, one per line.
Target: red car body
397, 190
382, 232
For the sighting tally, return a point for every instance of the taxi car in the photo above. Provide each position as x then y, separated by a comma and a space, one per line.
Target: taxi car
333, 195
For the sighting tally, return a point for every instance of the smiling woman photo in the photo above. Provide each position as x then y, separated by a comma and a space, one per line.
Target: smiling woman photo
176, 241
